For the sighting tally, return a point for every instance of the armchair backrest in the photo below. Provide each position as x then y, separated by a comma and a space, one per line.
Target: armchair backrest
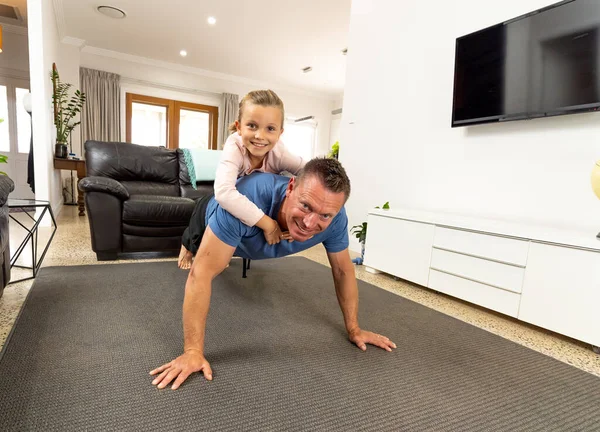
141, 169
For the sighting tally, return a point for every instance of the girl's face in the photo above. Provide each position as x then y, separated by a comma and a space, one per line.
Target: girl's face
260, 129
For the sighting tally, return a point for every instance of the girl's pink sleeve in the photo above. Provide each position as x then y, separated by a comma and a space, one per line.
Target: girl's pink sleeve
289, 161
230, 166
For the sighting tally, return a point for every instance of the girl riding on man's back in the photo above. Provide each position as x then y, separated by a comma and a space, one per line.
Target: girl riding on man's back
253, 146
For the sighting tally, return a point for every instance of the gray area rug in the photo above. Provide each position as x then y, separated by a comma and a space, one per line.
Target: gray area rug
79, 356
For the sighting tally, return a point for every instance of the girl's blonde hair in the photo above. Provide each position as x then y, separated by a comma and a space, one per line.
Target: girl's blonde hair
265, 98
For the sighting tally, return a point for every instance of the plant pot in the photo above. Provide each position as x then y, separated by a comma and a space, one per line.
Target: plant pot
60, 150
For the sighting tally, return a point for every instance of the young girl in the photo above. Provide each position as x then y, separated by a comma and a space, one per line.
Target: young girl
253, 146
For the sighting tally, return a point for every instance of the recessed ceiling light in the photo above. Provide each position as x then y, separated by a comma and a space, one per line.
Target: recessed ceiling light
345, 51
111, 11
307, 69
212, 20
183, 53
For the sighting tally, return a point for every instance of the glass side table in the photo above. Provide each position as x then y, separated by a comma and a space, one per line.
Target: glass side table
30, 208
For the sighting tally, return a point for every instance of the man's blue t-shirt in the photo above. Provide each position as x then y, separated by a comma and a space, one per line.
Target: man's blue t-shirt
267, 191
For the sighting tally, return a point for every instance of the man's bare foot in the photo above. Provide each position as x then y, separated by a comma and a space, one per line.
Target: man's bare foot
185, 259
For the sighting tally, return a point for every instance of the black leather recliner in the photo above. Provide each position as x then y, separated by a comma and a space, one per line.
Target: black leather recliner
138, 198
6, 187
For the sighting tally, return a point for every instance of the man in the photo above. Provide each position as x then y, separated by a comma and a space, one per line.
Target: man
310, 208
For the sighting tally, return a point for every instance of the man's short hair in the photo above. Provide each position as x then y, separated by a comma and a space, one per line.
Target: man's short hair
331, 173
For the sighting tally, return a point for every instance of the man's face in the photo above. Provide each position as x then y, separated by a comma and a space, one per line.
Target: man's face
309, 207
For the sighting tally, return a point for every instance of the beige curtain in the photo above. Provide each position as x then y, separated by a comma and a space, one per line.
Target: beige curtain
229, 115
101, 114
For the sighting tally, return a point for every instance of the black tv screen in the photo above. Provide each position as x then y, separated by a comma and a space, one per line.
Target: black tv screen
541, 64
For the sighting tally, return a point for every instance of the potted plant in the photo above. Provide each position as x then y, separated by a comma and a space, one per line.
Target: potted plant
65, 110
335, 150
360, 232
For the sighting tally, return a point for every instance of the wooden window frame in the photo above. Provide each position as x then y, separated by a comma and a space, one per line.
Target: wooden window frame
173, 117
213, 127
149, 100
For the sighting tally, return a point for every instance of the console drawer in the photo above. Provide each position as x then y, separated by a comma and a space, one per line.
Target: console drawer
505, 276
504, 249
484, 295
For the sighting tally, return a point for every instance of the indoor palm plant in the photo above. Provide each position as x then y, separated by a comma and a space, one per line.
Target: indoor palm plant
65, 110
360, 232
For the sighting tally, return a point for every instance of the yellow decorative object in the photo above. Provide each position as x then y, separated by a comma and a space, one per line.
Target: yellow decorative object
0, 39
596, 179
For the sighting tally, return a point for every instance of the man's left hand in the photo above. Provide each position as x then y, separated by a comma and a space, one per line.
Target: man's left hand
363, 337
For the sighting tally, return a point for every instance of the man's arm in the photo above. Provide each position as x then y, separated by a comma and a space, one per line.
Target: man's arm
212, 257
346, 290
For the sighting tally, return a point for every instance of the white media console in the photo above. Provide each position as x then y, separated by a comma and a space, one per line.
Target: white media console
544, 276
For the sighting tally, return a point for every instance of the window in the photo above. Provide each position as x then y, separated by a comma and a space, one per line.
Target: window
299, 138
194, 129
174, 124
148, 124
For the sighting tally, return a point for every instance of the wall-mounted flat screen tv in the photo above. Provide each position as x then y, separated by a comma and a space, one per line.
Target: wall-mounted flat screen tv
544, 63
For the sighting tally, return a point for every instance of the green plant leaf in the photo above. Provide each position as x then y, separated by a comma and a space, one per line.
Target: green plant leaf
360, 232
67, 107
386, 206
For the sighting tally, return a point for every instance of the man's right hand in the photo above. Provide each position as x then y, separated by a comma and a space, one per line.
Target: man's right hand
181, 368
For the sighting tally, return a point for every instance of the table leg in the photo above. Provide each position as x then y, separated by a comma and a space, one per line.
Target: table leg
80, 202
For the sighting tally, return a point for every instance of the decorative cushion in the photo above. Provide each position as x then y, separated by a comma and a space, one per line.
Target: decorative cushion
202, 164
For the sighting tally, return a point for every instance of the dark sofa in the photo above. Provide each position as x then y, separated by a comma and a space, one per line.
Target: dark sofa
6, 187
139, 199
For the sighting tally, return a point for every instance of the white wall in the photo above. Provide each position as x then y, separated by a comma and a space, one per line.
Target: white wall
336, 122
396, 139
43, 51
163, 80
335, 128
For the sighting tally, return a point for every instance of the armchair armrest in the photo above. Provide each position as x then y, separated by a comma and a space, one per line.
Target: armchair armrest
6, 187
103, 184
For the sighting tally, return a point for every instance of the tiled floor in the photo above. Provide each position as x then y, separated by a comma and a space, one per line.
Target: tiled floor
71, 246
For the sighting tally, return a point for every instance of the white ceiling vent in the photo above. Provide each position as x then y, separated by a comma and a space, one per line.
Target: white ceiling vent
112, 12
10, 13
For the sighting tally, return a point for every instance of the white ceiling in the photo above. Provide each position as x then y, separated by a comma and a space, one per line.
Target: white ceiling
266, 40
